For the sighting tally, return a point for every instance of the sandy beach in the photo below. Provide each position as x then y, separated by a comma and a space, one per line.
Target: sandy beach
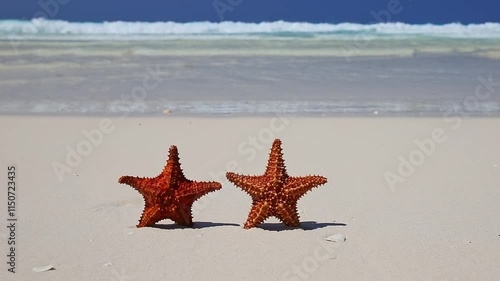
416, 198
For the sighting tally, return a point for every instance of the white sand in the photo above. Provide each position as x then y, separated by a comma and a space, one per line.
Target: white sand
442, 223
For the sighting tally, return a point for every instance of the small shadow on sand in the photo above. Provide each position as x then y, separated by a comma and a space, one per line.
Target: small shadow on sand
197, 225
305, 225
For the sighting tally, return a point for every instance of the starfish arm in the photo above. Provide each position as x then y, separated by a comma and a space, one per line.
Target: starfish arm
172, 169
287, 213
258, 214
181, 215
135, 182
253, 185
143, 185
276, 164
151, 215
296, 187
147, 187
190, 191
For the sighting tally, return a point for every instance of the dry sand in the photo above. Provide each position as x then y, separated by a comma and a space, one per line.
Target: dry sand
442, 223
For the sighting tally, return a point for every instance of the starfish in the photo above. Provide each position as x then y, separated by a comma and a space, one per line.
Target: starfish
169, 195
275, 193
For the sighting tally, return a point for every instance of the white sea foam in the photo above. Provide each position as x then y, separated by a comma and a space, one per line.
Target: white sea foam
43, 27
356, 108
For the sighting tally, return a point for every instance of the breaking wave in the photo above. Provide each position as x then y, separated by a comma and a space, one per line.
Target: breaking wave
47, 28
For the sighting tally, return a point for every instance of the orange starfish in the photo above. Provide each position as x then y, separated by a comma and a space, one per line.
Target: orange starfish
275, 193
169, 195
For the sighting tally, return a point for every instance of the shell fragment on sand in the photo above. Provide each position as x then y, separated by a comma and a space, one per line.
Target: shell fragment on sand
336, 238
43, 268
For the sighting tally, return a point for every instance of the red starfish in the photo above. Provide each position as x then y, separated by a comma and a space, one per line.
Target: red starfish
275, 193
169, 195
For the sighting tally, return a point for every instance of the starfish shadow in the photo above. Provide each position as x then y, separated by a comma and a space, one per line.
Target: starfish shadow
196, 225
305, 225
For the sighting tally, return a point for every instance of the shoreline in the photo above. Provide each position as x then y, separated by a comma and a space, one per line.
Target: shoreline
356, 47
221, 116
251, 85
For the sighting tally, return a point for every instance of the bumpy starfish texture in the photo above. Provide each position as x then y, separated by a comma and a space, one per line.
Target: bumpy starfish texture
169, 195
275, 193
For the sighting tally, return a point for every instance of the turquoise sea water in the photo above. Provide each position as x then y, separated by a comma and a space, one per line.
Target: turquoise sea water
57, 67
46, 28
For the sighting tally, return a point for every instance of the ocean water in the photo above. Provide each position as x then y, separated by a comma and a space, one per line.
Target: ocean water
42, 28
228, 68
